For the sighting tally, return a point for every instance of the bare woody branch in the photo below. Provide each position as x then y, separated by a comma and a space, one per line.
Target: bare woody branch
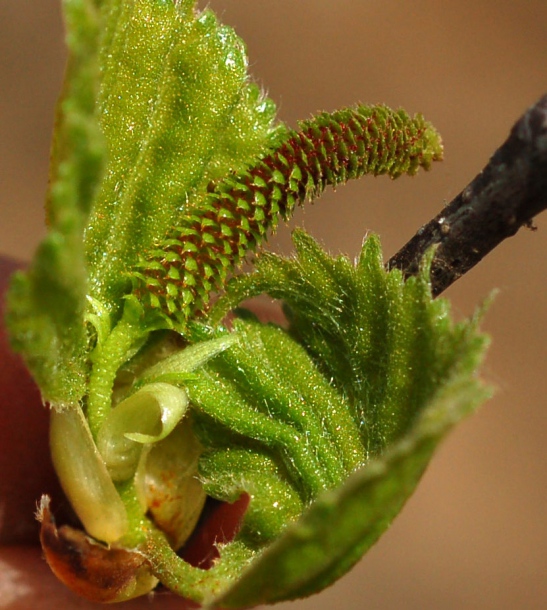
505, 196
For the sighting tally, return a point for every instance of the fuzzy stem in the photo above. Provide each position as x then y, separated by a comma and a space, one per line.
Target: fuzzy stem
193, 583
107, 359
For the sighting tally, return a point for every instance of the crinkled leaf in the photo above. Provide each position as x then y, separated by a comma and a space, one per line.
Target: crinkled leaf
384, 343
327, 426
266, 412
345, 443
177, 111
156, 104
342, 524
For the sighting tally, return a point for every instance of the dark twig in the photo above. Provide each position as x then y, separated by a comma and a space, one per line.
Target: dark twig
505, 196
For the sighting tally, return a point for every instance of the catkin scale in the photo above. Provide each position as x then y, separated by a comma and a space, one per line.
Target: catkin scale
195, 258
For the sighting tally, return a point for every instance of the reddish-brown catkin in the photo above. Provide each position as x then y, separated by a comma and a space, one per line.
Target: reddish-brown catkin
195, 258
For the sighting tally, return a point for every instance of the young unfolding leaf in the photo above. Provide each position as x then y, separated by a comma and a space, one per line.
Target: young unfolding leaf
342, 524
177, 111
369, 333
167, 170
345, 455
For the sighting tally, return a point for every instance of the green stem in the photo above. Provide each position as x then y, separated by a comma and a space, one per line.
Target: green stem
201, 586
107, 358
138, 522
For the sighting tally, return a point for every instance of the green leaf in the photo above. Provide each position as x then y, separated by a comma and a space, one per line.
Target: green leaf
271, 371
177, 111
344, 523
77, 155
152, 412
156, 104
46, 305
336, 418
166, 171
384, 343
266, 414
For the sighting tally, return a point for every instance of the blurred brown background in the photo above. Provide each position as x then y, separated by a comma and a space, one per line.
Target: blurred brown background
475, 534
